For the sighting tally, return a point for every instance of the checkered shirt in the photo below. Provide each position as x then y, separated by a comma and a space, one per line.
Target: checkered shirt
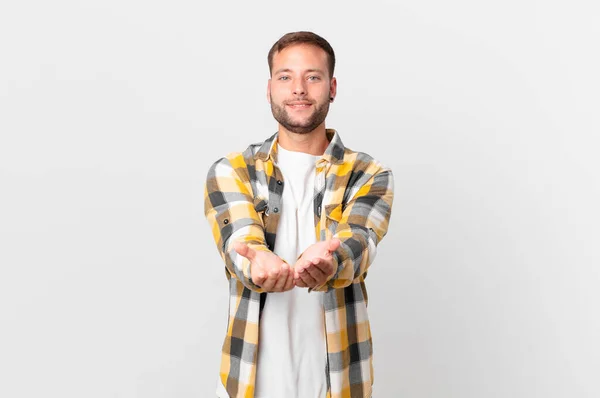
352, 202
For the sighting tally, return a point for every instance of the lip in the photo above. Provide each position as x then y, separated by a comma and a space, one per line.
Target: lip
299, 105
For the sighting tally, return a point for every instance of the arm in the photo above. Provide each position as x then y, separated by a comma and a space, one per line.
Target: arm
229, 209
362, 225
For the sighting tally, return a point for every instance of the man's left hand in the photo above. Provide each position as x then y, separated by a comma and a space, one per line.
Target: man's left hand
316, 265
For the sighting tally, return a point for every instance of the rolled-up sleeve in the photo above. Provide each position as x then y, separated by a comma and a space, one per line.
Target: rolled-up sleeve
363, 223
229, 209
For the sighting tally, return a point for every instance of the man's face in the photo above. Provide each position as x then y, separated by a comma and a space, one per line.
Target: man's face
300, 89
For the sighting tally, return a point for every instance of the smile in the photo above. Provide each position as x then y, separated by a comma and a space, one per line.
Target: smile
299, 106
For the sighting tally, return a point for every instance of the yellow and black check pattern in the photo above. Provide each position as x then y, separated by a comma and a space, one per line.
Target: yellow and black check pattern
352, 201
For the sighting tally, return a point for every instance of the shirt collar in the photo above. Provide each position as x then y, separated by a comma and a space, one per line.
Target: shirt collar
334, 153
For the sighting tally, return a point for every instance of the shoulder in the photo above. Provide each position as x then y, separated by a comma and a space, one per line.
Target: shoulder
236, 161
361, 163
361, 172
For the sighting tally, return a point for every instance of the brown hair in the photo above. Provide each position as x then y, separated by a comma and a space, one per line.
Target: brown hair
311, 38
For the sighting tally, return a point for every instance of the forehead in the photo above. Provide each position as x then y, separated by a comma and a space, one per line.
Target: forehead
300, 56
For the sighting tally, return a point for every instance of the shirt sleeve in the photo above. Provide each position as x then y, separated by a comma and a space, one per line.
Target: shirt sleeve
362, 225
229, 209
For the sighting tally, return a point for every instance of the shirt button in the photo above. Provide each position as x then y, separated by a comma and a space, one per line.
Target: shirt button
225, 221
275, 210
279, 182
319, 211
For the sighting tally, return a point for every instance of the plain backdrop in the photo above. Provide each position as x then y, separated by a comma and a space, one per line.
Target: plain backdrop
111, 112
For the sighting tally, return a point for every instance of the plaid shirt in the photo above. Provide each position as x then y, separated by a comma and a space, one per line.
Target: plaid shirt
352, 202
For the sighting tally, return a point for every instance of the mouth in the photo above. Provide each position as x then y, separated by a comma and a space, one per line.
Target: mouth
299, 105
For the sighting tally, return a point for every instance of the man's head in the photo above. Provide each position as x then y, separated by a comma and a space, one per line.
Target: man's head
302, 83
309, 38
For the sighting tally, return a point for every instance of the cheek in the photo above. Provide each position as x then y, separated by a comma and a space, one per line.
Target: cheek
275, 94
321, 92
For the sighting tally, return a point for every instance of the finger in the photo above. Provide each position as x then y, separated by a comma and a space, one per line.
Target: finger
316, 272
244, 250
272, 277
289, 284
304, 274
326, 265
300, 283
259, 279
299, 268
307, 279
333, 245
282, 278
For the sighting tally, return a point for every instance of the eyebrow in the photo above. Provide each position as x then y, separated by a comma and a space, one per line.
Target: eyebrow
307, 71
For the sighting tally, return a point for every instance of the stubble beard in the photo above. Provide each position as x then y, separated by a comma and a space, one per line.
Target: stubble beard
318, 116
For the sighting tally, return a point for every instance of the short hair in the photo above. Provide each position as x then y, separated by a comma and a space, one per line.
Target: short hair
310, 38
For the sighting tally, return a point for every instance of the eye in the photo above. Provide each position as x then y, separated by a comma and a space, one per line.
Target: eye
314, 78
284, 78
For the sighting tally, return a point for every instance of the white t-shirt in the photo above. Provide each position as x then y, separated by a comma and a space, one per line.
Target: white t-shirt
292, 349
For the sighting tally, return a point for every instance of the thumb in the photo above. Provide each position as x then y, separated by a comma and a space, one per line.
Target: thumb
244, 250
333, 245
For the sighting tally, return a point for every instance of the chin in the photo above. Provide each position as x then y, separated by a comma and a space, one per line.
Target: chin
301, 129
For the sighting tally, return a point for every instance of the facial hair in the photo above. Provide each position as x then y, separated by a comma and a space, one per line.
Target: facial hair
315, 119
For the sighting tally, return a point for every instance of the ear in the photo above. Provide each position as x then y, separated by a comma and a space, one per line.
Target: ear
269, 91
333, 87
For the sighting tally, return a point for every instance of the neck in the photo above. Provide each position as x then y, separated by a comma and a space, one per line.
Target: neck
313, 143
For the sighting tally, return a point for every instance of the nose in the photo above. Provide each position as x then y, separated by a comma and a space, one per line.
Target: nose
299, 88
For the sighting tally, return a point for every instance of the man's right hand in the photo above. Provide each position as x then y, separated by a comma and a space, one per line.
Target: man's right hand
267, 269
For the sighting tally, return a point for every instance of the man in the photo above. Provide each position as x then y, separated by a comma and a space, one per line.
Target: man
297, 219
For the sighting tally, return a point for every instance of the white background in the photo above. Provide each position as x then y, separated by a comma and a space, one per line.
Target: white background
111, 112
